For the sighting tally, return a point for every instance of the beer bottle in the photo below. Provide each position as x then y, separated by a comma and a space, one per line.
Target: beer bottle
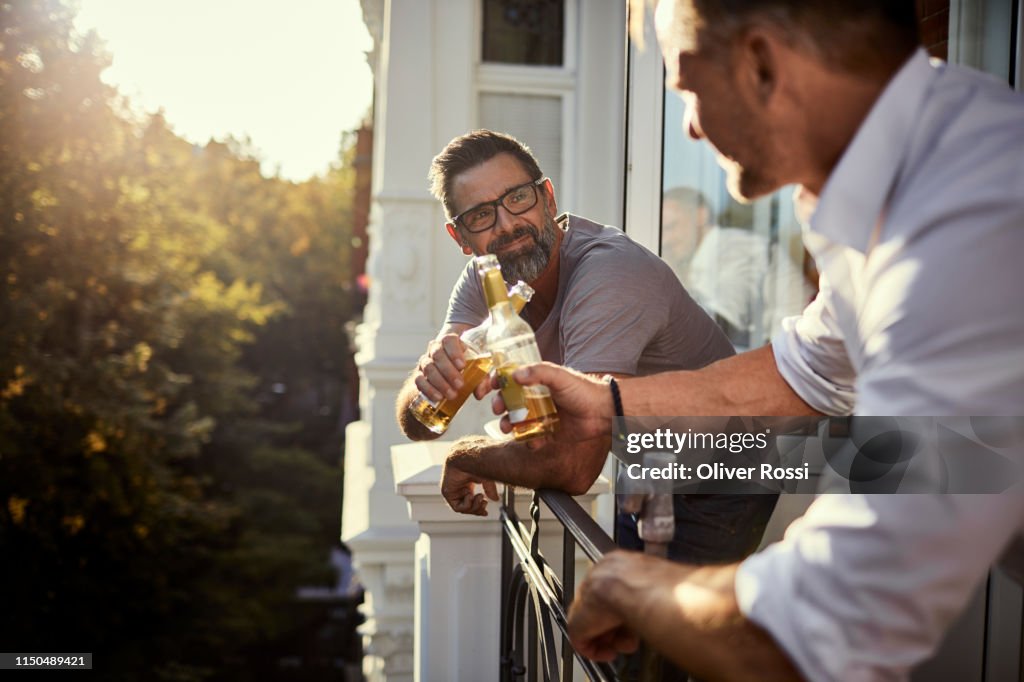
511, 343
438, 416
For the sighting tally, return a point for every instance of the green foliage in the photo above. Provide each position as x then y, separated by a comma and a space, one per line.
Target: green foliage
159, 502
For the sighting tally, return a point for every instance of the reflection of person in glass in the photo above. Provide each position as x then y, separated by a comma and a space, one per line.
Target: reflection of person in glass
685, 218
747, 284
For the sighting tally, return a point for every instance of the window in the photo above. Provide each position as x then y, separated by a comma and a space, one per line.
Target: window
526, 82
744, 264
524, 32
533, 119
987, 36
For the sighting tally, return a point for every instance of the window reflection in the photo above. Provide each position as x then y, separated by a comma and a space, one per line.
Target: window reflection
744, 264
523, 31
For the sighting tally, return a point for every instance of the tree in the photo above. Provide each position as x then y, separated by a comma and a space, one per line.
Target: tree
152, 294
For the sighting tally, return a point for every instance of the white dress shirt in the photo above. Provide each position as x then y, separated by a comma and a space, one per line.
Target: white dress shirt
919, 238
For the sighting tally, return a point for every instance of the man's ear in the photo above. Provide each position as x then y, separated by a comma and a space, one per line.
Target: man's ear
758, 60
549, 196
454, 234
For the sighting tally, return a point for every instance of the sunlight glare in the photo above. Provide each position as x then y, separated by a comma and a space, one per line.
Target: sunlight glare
289, 75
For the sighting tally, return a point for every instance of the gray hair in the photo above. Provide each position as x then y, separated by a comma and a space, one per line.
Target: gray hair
850, 35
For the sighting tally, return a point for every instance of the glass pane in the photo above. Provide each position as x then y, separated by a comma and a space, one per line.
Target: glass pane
524, 31
744, 264
535, 120
983, 35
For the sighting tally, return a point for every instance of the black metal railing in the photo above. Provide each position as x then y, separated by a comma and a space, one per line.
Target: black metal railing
534, 602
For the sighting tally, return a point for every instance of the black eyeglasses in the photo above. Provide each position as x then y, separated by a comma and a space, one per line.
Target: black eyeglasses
516, 201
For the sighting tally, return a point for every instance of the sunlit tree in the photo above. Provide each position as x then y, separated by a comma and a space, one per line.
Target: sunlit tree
159, 500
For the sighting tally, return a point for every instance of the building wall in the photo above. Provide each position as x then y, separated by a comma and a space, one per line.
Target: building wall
934, 26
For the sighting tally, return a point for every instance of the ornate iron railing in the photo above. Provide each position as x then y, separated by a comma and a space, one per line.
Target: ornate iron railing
534, 602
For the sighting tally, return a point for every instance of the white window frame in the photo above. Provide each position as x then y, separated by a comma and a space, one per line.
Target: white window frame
1019, 66
644, 136
549, 81
979, 37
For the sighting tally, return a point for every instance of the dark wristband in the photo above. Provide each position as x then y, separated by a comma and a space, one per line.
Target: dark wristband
616, 396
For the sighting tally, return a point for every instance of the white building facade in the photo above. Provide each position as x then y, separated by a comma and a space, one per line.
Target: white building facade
561, 76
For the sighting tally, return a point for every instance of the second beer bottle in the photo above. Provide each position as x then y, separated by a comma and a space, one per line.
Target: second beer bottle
511, 343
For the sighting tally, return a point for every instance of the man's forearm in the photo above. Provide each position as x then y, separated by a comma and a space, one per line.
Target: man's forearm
570, 469
688, 614
744, 385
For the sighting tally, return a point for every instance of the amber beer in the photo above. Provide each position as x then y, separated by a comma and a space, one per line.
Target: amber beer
530, 414
438, 416
512, 344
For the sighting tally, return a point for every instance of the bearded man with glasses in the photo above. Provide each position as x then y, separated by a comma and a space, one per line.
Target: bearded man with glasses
603, 304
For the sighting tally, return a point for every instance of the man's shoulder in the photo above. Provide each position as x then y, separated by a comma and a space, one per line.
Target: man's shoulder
603, 261
466, 301
583, 232
972, 134
590, 244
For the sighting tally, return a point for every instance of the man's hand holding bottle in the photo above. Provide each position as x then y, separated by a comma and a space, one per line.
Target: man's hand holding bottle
440, 370
585, 404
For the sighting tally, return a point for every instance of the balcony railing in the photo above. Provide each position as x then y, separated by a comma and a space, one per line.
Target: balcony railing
534, 602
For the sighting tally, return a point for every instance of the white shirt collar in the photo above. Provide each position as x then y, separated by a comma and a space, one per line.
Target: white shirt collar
856, 191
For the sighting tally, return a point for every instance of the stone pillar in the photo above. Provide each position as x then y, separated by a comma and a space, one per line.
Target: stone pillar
458, 570
422, 82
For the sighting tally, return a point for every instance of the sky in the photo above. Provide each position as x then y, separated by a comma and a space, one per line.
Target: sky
289, 74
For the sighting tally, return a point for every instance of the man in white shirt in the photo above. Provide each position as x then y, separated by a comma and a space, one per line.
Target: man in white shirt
911, 177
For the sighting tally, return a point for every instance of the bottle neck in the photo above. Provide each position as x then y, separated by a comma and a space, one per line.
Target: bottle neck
504, 313
494, 289
509, 308
503, 310
518, 297
517, 303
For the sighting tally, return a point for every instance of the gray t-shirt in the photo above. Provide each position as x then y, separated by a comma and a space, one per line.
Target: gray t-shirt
619, 308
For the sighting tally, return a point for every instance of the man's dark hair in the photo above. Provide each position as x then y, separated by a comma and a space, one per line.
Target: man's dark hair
850, 35
469, 151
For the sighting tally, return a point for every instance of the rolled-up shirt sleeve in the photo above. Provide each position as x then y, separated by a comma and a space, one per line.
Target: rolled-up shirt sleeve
811, 357
864, 586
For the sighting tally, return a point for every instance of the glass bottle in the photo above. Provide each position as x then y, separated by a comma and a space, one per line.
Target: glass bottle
511, 343
438, 416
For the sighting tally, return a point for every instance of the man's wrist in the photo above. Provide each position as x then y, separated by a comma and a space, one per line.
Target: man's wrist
616, 395
621, 582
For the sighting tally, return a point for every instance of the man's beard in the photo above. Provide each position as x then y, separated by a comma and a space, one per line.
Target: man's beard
528, 264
